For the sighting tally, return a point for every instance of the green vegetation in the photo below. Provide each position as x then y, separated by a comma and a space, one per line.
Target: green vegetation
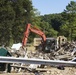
15, 14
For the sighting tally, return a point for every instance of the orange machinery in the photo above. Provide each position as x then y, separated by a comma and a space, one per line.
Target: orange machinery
46, 44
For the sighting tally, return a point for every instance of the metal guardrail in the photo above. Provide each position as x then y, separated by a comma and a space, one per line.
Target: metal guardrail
36, 61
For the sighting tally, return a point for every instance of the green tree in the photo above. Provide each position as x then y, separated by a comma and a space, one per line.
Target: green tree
14, 15
48, 30
7, 16
23, 16
69, 17
56, 21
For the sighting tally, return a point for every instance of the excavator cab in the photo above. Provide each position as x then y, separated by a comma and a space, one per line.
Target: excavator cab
50, 44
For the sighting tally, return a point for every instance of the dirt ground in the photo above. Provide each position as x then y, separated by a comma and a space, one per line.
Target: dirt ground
51, 71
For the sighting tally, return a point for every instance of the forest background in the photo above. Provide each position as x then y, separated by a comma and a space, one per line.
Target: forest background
15, 14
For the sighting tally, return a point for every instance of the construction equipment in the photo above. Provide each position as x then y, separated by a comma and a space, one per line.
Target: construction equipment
61, 40
47, 44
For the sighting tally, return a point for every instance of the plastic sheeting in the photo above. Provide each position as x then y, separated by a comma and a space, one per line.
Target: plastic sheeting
16, 46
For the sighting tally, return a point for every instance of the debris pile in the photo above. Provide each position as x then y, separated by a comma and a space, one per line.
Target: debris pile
66, 52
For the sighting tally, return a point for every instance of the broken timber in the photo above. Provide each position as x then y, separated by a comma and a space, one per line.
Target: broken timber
36, 61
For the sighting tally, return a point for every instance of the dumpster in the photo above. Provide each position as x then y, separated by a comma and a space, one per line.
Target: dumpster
3, 66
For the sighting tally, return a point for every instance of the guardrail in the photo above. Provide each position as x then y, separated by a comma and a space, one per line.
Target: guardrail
36, 61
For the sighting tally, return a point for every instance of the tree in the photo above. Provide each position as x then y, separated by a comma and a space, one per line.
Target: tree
48, 30
7, 16
22, 10
56, 22
71, 7
14, 15
69, 17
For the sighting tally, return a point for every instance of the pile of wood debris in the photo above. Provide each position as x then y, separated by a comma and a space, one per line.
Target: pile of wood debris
65, 52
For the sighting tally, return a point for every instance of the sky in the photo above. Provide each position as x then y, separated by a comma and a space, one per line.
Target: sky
50, 6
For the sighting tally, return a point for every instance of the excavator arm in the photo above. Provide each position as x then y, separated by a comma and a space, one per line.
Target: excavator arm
34, 30
39, 32
26, 34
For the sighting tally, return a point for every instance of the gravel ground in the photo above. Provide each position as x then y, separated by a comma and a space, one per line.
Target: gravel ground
52, 71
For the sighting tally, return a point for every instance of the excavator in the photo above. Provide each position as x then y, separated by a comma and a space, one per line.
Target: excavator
47, 44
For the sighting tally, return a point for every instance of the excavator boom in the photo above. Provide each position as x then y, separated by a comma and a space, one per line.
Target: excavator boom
26, 34
34, 30
39, 32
